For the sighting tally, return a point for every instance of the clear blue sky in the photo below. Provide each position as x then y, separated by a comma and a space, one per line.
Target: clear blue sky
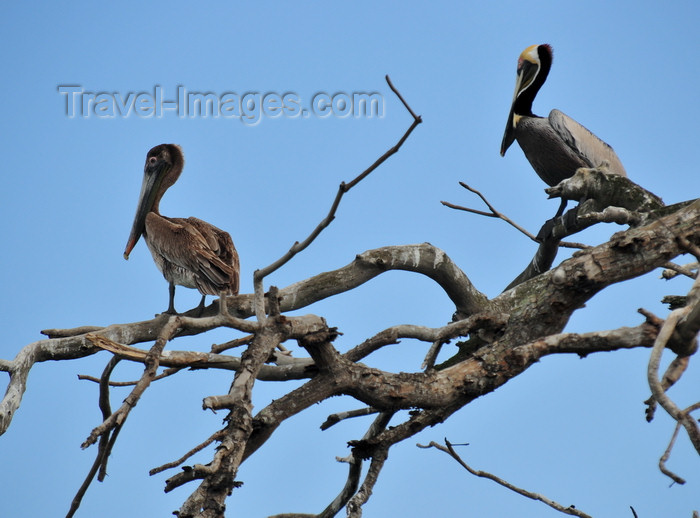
571, 429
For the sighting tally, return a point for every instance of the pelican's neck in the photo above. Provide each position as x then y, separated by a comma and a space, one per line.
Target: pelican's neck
524, 100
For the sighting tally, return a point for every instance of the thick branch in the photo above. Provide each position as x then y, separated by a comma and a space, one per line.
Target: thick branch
423, 258
543, 305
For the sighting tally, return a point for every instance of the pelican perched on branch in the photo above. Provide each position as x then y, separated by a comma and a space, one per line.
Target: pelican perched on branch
555, 146
189, 252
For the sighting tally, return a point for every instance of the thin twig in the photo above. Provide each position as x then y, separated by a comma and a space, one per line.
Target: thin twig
164, 374
662, 461
118, 417
483, 474
219, 348
656, 385
214, 437
340, 416
497, 214
103, 448
493, 214
344, 187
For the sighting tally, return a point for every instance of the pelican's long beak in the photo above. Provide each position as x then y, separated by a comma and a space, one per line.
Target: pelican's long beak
527, 71
152, 177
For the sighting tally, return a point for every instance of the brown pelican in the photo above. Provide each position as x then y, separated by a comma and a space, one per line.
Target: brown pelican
555, 146
189, 252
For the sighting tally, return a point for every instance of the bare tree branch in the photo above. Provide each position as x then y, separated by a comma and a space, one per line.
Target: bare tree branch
667, 454
506, 335
297, 247
674, 270
493, 214
334, 419
214, 437
570, 510
166, 373
597, 192
117, 418
104, 448
355, 470
655, 384
355, 504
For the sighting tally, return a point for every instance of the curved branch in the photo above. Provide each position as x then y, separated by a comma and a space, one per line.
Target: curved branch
657, 389
493, 323
571, 510
420, 258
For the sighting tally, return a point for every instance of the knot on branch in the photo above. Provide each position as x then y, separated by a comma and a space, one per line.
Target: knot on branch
631, 243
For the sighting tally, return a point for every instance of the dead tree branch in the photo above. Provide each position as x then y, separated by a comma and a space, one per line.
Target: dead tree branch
106, 442
117, 418
597, 192
334, 419
343, 188
493, 214
570, 510
657, 388
510, 333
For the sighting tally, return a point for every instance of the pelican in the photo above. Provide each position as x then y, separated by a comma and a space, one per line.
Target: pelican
188, 252
555, 146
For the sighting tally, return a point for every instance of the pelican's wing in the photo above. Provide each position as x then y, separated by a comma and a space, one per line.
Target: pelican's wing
584, 143
221, 244
188, 247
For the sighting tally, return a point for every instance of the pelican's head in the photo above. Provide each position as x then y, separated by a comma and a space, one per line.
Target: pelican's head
533, 66
163, 166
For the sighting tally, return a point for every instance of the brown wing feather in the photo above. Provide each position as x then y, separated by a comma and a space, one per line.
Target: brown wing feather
193, 253
222, 245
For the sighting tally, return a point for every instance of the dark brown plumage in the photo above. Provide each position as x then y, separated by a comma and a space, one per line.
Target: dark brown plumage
189, 252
